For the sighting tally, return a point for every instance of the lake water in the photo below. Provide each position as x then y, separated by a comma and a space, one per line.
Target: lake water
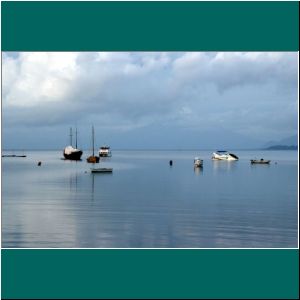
146, 203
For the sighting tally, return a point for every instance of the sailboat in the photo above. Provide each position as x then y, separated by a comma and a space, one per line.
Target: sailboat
71, 153
93, 159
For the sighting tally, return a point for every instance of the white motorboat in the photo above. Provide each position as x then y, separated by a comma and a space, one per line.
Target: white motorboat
224, 155
198, 162
105, 151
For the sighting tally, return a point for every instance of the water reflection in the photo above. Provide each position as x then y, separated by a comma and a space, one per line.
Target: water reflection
260, 165
223, 165
198, 171
93, 186
144, 203
73, 182
105, 158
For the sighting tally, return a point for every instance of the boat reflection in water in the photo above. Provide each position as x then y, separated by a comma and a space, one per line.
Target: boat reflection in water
73, 183
198, 171
223, 166
93, 186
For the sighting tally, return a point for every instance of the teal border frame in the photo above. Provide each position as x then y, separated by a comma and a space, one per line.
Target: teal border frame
150, 274
155, 273
150, 26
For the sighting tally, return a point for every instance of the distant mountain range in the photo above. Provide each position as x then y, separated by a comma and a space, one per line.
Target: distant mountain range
282, 147
290, 143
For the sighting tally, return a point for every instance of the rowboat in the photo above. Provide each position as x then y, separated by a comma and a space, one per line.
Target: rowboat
101, 170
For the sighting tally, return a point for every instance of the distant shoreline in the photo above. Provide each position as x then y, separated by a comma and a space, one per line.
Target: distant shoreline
281, 147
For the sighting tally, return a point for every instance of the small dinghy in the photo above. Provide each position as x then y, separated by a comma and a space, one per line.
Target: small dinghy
101, 170
260, 161
198, 162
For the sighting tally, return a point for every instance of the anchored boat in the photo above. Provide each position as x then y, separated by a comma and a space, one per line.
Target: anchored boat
101, 170
104, 151
260, 161
198, 162
71, 153
224, 155
93, 159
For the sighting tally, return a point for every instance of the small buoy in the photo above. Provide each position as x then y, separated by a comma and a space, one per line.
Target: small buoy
171, 162
39, 163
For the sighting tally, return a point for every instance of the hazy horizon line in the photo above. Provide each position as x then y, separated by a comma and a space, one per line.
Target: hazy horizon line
139, 149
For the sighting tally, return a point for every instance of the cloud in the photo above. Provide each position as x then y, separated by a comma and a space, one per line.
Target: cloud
250, 94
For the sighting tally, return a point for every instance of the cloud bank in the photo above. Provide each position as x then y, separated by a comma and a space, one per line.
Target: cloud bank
149, 100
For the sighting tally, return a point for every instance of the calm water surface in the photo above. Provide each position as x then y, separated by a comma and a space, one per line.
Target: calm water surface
146, 203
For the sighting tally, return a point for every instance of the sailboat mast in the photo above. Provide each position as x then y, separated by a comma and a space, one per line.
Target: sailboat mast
76, 139
93, 136
71, 136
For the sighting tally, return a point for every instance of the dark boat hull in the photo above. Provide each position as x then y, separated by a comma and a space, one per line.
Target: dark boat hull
73, 156
93, 159
13, 155
260, 162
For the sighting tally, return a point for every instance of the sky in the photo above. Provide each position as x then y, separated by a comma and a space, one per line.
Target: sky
143, 100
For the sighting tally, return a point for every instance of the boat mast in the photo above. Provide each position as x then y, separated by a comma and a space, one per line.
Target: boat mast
71, 136
76, 138
93, 137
